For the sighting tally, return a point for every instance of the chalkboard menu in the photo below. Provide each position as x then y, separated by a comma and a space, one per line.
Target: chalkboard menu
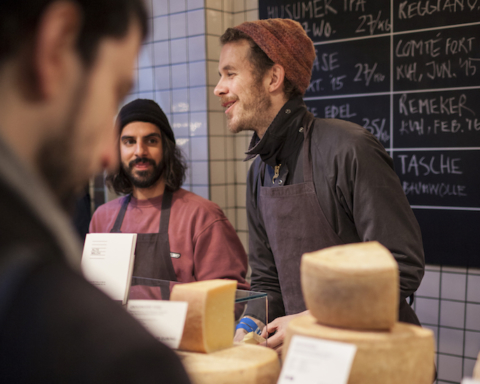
409, 72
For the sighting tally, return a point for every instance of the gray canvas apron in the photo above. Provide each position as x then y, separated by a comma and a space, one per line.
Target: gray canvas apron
152, 253
295, 224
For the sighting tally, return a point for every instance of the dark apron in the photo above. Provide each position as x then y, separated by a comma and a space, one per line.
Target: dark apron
152, 253
295, 224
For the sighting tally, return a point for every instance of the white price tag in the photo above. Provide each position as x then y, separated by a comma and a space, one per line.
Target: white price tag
163, 319
316, 361
470, 381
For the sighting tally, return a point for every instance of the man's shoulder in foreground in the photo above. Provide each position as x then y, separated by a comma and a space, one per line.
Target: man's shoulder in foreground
62, 329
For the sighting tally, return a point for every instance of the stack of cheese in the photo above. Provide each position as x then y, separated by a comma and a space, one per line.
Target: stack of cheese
352, 293
207, 349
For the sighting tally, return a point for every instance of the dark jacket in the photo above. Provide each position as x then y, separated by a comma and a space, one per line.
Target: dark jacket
54, 326
357, 189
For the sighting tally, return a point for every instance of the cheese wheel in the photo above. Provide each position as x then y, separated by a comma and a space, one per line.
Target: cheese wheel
352, 286
240, 364
209, 325
404, 354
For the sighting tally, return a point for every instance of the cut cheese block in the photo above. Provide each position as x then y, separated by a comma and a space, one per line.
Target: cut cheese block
352, 286
253, 338
209, 325
240, 364
476, 369
405, 354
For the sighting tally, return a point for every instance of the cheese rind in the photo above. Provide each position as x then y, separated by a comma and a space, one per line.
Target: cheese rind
240, 364
404, 354
209, 325
352, 286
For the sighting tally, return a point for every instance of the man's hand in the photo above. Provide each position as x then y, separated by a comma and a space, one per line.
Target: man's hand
278, 326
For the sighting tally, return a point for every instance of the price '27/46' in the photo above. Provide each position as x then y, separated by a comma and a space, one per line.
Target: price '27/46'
367, 74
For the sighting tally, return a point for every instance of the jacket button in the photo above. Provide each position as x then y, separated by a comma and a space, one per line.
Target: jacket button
287, 111
301, 129
280, 181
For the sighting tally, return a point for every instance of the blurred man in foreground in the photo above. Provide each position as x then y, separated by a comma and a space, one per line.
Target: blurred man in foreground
64, 67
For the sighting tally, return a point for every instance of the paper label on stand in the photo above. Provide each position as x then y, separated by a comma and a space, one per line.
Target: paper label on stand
316, 361
163, 319
470, 381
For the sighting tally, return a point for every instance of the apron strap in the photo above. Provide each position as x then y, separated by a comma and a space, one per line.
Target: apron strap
307, 156
121, 215
166, 208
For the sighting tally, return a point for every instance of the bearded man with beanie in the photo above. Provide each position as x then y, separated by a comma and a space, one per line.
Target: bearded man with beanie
181, 236
315, 183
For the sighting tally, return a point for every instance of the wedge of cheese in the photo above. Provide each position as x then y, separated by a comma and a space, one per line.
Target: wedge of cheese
209, 325
240, 364
405, 354
353, 286
253, 338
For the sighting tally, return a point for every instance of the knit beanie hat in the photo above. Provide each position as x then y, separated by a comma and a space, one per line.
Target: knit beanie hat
285, 42
147, 111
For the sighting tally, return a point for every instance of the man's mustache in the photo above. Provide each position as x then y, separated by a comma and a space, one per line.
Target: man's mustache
141, 160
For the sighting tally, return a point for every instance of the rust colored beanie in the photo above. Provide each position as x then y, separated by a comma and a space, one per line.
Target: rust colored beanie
285, 42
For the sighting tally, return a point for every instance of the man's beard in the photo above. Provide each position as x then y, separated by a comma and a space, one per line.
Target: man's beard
143, 179
254, 113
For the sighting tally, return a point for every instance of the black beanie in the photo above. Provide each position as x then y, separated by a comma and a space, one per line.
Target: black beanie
147, 111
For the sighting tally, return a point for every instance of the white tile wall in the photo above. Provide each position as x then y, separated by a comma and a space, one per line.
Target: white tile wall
163, 78
160, 28
198, 124
214, 4
172, 70
177, 6
178, 25
449, 368
180, 125
195, 4
196, 22
198, 99
197, 75
448, 302
161, 53
196, 48
178, 51
160, 7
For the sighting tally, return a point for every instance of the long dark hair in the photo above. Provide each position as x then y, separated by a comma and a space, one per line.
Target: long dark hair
174, 168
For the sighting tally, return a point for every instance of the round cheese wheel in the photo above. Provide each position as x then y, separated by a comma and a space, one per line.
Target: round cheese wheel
352, 286
404, 354
240, 364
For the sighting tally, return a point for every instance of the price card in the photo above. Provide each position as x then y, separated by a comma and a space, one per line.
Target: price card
163, 319
316, 361
470, 381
